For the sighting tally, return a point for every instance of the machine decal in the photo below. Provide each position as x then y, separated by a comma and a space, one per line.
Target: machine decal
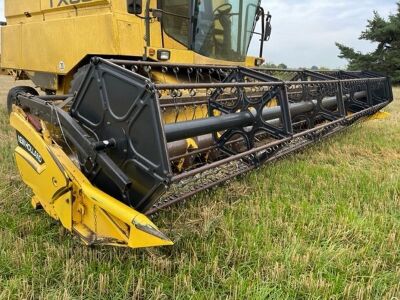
23, 143
61, 66
58, 3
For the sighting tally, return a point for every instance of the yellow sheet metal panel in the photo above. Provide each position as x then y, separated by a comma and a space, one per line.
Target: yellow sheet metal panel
55, 180
57, 37
62, 4
63, 208
11, 46
72, 39
20, 7
131, 40
36, 166
380, 115
40, 55
61, 33
95, 35
101, 219
119, 6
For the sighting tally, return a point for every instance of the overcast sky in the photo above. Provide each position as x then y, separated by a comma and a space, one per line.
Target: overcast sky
304, 32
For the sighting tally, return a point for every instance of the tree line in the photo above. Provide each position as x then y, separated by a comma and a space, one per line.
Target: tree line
385, 58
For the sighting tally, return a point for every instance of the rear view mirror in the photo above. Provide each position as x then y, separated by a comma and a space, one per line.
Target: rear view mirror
268, 27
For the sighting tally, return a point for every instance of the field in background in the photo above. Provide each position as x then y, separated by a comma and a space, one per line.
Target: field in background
323, 223
7, 82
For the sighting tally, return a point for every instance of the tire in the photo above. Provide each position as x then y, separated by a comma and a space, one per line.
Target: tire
78, 78
13, 93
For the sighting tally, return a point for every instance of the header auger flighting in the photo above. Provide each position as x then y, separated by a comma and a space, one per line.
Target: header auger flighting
120, 136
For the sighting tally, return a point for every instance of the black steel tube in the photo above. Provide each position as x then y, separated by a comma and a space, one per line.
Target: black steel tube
276, 143
170, 65
188, 129
190, 86
182, 130
55, 97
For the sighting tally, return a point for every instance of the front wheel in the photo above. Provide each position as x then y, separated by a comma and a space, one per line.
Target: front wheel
13, 93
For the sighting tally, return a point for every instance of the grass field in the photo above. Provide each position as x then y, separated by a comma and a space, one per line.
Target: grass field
322, 224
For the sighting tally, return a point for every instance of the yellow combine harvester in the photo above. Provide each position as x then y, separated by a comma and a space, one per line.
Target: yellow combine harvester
146, 102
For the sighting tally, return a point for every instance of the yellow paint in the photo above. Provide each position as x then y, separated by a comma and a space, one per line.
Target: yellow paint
41, 36
66, 195
380, 115
63, 208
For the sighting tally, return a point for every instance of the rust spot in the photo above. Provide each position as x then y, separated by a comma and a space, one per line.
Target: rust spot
35, 122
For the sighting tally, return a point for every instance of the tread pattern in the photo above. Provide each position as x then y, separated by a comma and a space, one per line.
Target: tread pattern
13, 93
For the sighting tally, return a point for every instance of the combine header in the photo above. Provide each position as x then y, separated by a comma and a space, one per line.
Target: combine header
132, 136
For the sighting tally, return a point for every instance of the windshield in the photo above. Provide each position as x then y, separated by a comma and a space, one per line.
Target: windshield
175, 21
222, 29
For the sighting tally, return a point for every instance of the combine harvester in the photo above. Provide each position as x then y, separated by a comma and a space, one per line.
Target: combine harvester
146, 103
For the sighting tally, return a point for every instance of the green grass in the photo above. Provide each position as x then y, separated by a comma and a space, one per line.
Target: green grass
321, 224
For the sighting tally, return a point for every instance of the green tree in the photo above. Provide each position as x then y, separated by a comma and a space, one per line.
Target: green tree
274, 66
282, 66
269, 65
386, 58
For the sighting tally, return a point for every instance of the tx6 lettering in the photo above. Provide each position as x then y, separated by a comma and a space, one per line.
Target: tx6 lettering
58, 3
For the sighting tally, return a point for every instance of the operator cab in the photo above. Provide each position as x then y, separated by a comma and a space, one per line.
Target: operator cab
218, 29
